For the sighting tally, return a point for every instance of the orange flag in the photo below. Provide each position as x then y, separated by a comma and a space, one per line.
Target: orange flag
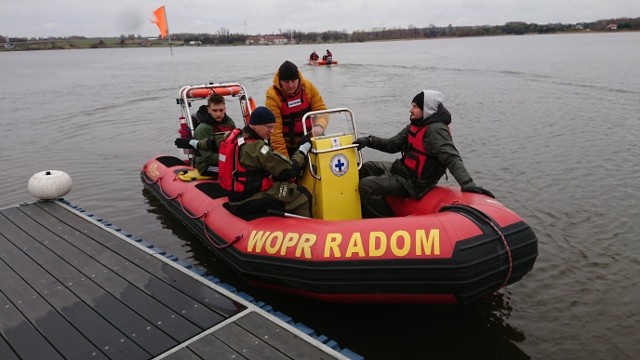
161, 21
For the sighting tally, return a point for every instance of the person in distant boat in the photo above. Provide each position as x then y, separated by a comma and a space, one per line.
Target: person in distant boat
256, 177
328, 56
212, 119
427, 152
290, 98
314, 56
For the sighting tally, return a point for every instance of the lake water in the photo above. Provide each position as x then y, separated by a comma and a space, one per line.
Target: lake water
549, 123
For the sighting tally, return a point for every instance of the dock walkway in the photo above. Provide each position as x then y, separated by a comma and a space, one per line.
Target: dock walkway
73, 286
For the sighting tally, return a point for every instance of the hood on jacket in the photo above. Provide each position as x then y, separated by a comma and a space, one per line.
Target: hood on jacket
428, 101
432, 108
203, 115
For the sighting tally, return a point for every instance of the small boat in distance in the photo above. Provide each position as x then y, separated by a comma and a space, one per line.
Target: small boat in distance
327, 59
321, 62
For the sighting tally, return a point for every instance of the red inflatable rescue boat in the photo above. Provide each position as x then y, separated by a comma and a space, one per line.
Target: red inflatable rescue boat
448, 247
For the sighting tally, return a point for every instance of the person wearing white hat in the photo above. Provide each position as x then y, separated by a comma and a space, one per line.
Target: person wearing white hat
427, 152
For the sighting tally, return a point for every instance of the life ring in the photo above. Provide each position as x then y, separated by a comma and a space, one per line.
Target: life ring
203, 93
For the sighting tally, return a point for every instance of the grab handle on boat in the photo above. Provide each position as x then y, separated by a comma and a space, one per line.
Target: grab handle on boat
285, 214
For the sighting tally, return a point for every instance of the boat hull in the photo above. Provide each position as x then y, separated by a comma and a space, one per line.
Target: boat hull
322, 62
468, 247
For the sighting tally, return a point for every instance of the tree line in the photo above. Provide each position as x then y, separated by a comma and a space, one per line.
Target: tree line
223, 36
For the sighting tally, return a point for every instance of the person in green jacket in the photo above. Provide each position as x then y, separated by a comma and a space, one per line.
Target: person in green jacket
212, 119
427, 152
262, 177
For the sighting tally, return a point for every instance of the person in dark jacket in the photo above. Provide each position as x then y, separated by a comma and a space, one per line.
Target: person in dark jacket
212, 119
427, 152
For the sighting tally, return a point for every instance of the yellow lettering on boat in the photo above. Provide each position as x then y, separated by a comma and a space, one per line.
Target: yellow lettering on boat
278, 242
305, 244
401, 249
355, 245
257, 239
382, 239
272, 246
430, 245
400, 243
332, 244
289, 241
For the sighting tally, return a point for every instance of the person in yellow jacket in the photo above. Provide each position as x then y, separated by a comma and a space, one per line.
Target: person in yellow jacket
289, 99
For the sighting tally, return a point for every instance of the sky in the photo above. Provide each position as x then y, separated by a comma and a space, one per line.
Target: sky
112, 18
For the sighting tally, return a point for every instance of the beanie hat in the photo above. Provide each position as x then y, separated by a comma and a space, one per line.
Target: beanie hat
262, 116
419, 100
288, 71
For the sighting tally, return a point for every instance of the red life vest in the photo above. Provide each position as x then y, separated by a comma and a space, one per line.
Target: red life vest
232, 176
220, 127
416, 155
292, 110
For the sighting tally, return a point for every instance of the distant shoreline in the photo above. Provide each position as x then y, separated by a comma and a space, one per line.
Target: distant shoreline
104, 43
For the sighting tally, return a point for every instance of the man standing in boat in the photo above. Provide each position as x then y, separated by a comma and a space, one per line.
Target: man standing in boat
212, 119
257, 178
427, 152
289, 99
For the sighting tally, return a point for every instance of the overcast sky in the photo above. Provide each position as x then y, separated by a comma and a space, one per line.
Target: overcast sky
108, 18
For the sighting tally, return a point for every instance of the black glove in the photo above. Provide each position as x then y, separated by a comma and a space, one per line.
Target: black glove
362, 142
183, 143
212, 145
306, 139
477, 190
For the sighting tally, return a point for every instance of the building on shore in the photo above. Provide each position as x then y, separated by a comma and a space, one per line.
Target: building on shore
267, 40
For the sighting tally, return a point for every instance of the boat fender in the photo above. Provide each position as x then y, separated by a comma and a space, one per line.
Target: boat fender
49, 184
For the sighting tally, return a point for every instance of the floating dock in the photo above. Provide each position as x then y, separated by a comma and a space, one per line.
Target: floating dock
73, 286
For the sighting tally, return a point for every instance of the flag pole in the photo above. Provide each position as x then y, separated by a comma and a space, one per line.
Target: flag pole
168, 32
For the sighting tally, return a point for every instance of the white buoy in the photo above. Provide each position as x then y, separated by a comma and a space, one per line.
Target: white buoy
50, 184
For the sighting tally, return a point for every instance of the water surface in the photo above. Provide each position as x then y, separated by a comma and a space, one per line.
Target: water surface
549, 123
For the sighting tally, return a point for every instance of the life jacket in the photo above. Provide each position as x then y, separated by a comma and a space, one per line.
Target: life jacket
232, 176
415, 157
292, 110
219, 127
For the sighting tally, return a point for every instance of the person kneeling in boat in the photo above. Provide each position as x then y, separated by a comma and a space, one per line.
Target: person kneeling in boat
314, 56
212, 119
256, 177
427, 152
